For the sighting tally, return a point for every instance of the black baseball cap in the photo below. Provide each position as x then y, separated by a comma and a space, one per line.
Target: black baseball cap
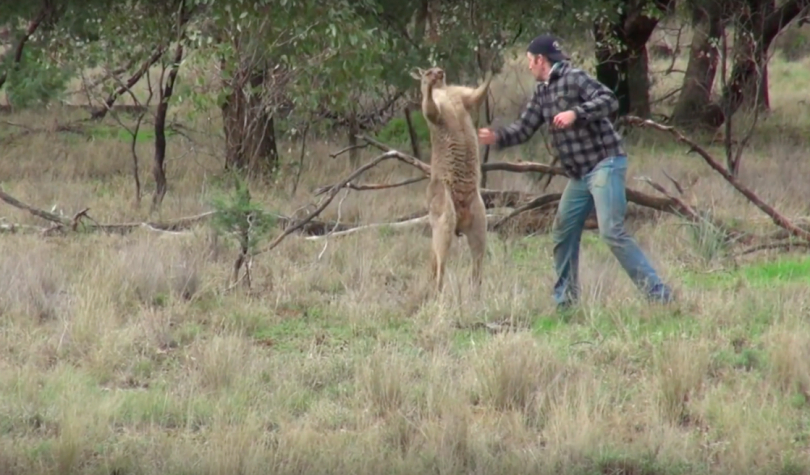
548, 46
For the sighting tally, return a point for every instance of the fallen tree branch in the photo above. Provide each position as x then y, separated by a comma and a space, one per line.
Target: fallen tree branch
538, 202
310, 226
693, 216
395, 225
54, 218
504, 198
778, 219
424, 219
348, 149
412, 161
333, 192
372, 186
633, 196
71, 127
785, 245
337, 223
61, 222
14, 228
178, 224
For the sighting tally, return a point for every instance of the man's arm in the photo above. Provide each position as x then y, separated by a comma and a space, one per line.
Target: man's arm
524, 127
600, 101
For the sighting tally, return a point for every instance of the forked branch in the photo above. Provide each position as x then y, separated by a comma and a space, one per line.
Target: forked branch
778, 218
335, 189
633, 196
63, 222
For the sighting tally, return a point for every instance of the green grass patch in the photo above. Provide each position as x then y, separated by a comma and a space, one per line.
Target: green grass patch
767, 274
396, 132
118, 133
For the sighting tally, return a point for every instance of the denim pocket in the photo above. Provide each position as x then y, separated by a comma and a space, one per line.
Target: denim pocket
599, 179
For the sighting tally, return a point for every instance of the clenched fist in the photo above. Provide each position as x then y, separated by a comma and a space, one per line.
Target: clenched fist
487, 136
564, 119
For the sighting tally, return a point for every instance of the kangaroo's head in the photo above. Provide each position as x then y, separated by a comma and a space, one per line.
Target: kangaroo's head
433, 77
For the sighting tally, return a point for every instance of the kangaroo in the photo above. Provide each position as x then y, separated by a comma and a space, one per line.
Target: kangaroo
455, 206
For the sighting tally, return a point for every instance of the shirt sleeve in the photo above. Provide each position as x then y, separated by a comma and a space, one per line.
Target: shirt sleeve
598, 100
525, 126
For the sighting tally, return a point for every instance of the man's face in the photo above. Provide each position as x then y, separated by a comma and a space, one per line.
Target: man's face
538, 66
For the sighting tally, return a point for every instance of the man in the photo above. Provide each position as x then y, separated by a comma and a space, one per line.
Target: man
576, 108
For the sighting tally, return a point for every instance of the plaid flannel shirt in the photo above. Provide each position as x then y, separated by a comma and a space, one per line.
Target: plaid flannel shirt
586, 142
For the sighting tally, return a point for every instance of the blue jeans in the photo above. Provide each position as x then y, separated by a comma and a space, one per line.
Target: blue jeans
604, 189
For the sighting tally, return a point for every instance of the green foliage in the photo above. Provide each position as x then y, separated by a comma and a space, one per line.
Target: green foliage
75, 35
395, 132
340, 54
238, 216
36, 81
116, 133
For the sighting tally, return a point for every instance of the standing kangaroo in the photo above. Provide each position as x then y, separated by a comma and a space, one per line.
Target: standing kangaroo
455, 206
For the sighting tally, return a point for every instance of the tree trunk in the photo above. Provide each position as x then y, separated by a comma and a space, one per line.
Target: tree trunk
764, 22
622, 60
626, 73
638, 81
433, 18
611, 69
755, 90
250, 138
420, 21
159, 163
693, 109
44, 13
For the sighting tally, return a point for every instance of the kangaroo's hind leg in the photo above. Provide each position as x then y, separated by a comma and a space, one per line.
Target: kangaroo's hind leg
477, 240
443, 230
442, 216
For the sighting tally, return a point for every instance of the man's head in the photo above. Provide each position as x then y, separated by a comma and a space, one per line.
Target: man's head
543, 52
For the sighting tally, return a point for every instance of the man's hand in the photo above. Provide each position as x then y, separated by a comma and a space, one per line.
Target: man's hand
487, 137
564, 119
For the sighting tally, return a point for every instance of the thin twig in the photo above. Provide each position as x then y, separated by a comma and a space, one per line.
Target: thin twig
334, 228
399, 224
334, 191
348, 149
674, 182
373, 186
786, 245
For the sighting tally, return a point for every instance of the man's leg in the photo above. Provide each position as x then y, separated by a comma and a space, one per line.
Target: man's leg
607, 185
575, 205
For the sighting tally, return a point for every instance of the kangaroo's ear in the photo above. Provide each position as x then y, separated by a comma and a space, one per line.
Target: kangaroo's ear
417, 73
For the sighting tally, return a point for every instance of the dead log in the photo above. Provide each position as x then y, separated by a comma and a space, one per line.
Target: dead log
335, 189
778, 218
539, 202
663, 204
785, 246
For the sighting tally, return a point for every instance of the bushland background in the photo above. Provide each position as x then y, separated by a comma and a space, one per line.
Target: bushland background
156, 318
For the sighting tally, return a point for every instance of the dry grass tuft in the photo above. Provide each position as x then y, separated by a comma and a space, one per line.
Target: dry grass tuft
35, 286
517, 373
681, 368
153, 270
788, 351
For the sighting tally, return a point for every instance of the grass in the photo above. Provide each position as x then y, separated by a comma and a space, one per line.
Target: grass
123, 355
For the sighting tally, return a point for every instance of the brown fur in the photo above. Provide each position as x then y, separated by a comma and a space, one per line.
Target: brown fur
454, 200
